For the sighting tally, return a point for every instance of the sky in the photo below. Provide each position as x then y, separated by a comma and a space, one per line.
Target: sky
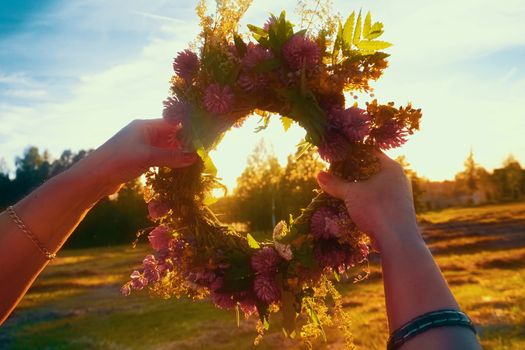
73, 72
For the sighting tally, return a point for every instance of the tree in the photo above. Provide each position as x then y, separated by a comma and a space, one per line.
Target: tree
416, 183
509, 180
257, 192
6, 186
32, 169
299, 181
113, 220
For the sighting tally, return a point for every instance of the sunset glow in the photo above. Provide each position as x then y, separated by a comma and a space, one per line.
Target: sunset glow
72, 73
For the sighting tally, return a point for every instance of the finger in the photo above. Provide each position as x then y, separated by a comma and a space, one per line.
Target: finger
161, 133
169, 157
333, 185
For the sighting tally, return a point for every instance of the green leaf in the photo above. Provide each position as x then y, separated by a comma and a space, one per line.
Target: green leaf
375, 31
209, 167
252, 242
268, 65
257, 30
367, 25
287, 123
369, 47
266, 121
306, 111
357, 32
338, 43
240, 45
348, 30
337, 277
302, 148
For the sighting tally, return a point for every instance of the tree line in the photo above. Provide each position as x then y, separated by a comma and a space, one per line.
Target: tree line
266, 192
112, 221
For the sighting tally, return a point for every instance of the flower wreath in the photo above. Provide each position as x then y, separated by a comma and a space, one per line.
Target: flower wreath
300, 76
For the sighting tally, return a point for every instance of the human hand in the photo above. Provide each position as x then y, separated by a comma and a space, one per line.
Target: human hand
133, 150
381, 206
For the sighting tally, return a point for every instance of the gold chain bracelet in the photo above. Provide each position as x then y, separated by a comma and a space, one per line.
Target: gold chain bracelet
47, 254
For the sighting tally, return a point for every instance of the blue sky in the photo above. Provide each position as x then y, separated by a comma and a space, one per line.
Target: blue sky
74, 72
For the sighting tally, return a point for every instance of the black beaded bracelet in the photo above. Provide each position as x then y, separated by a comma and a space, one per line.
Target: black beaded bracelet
434, 319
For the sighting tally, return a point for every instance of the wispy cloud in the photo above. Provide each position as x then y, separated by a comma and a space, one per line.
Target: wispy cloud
93, 66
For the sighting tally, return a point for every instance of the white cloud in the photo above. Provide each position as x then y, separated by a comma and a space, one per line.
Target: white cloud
431, 65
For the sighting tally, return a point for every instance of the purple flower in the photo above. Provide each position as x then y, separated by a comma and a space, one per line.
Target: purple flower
324, 223
218, 99
151, 269
354, 122
186, 64
255, 54
266, 261
301, 51
247, 302
389, 135
334, 147
269, 23
329, 253
160, 238
126, 289
358, 255
252, 81
266, 289
175, 111
223, 300
158, 209
138, 281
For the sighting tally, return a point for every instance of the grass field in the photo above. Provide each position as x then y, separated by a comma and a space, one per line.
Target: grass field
76, 304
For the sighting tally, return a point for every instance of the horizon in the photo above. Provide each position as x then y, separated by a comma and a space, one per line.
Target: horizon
73, 73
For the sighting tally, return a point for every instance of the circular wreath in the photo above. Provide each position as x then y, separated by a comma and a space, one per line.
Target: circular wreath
300, 76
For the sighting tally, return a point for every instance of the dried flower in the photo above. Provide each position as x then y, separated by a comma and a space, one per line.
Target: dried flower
218, 99
301, 51
186, 65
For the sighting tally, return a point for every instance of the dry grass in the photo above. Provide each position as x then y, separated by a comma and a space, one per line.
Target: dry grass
75, 303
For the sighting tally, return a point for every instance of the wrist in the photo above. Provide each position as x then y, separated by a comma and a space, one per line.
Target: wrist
94, 172
397, 239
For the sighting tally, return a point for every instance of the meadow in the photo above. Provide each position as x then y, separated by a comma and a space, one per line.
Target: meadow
76, 304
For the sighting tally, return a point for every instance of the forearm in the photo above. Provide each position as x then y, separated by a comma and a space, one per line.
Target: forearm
51, 212
413, 286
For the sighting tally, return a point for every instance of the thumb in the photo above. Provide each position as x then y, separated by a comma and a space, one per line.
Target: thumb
333, 185
171, 157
